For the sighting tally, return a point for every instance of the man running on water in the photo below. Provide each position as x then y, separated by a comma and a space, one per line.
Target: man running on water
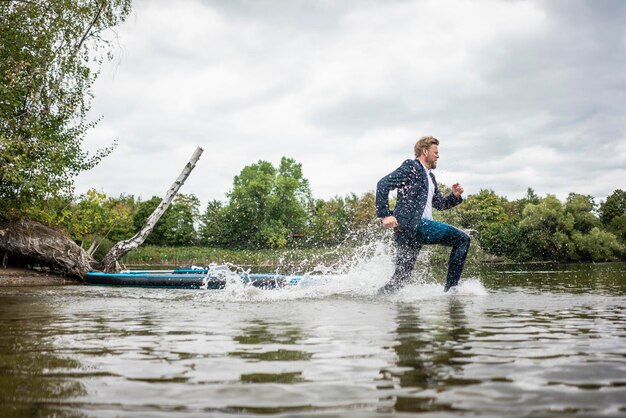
412, 218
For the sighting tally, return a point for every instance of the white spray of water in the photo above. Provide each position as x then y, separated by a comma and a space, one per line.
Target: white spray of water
359, 274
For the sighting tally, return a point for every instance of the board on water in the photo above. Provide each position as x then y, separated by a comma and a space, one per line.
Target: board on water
188, 279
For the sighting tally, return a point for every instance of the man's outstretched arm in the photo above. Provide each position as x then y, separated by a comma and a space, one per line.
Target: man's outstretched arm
450, 201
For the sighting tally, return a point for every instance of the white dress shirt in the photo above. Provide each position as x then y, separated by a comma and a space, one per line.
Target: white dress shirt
428, 209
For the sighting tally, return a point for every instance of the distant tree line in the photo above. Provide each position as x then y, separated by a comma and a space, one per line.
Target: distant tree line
272, 207
545, 229
267, 207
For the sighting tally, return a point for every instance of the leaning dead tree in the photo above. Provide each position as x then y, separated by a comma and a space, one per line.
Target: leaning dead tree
109, 263
32, 244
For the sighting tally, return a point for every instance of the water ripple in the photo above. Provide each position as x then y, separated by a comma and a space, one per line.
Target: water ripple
511, 349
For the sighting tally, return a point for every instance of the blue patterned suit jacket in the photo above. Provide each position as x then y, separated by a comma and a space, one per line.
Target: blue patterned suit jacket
412, 184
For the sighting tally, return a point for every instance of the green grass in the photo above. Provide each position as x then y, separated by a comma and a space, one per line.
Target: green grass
201, 256
294, 259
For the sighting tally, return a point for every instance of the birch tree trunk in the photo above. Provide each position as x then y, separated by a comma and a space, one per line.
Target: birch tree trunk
109, 263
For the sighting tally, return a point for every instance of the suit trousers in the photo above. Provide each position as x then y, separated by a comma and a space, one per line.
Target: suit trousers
427, 232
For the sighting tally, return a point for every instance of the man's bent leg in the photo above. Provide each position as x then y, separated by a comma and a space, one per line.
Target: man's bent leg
406, 255
433, 232
460, 247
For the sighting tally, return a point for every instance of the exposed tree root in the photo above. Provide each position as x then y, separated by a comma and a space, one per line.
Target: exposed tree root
32, 244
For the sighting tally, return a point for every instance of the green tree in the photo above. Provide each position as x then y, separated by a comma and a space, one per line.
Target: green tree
248, 204
618, 228
144, 210
266, 205
329, 221
361, 213
94, 218
177, 225
212, 226
286, 205
530, 197
89, 220
505, 239
481, 210
613, 214
50, 53
613, 206
179, 221
546, 228
597, 245
581, 208
121, 210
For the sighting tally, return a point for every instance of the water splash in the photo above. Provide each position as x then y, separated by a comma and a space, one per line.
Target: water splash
359, 273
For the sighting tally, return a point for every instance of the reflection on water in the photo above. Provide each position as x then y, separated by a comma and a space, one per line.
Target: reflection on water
515, 341
260, 341
428, 357
30, 370
262, 332
290, 377
571, 278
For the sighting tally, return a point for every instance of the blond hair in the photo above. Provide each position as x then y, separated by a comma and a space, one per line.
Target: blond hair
424, 143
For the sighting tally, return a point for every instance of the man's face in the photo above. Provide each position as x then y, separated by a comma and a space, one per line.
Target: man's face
431, 155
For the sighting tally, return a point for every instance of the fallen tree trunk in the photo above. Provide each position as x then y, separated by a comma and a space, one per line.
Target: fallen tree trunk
31, 243
109, 263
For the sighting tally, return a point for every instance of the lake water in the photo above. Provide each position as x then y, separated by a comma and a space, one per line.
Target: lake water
512, 341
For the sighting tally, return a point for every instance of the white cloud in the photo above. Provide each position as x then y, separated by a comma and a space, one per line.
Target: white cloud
521, 93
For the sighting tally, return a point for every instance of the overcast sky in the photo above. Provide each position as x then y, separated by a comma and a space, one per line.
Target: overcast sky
520, 93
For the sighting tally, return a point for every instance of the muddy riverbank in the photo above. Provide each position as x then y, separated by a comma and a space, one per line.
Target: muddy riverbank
16, 276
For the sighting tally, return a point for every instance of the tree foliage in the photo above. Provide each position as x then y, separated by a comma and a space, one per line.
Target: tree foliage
360, 212
179, 221
271, 207
177, 225
93, 218
546, 227
582, 210
265, 206
613, 214
329, 221
541, 229
50, 53
596, 245
121, 209
481, 210
90, 218
211, 230
613, 207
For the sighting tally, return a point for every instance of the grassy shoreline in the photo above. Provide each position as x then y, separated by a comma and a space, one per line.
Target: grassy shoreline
291, 258
202, 256
297, 260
